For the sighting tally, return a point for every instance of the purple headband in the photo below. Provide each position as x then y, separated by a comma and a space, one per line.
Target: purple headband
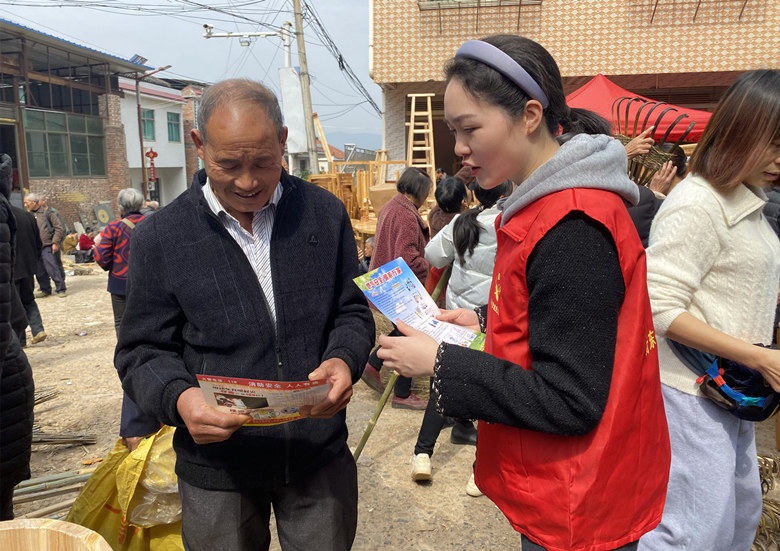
501, 62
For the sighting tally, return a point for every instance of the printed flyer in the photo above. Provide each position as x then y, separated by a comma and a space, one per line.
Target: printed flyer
268, 402
398, 294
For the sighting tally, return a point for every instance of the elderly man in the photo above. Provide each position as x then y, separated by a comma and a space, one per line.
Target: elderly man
52, 234
249, 274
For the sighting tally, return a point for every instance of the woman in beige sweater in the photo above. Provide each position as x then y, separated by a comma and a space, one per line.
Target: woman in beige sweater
712, 268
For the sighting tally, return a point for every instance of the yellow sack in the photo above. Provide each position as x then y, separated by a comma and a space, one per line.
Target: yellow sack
126, 484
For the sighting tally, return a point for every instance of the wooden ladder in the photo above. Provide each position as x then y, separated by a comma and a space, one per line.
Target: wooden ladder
419, 145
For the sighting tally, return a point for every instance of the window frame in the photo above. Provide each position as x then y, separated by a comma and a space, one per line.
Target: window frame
174, 125
147, 125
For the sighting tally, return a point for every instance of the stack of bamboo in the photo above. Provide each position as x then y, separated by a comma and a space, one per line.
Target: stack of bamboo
47, 487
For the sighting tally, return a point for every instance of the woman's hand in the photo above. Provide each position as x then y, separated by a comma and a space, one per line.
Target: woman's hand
663, 178
769, 366
461, 316
640, 145
693, 332
412, 355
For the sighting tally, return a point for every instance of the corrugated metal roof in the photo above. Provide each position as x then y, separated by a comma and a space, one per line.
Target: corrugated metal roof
117, 63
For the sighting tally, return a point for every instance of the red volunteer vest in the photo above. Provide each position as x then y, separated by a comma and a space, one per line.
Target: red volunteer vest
604, 489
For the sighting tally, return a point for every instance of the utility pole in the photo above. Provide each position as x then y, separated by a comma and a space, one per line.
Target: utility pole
308, 114
245, 39
138, 80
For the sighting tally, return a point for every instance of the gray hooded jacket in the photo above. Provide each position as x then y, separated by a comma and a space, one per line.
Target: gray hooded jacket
585, 161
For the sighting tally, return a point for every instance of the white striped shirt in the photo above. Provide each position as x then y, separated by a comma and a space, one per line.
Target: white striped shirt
256, 245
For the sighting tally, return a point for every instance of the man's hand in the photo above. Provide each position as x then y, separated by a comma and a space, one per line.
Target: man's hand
412, 355
55, 247
662, 179
461, 316
337, 373
640, 145
205, 424
132, 442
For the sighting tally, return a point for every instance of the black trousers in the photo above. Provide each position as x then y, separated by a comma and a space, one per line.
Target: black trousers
432, 424
528, 545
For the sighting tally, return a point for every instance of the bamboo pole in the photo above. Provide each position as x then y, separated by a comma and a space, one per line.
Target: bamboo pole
58, 476
389, 387
40, 513
51, 485
46, 494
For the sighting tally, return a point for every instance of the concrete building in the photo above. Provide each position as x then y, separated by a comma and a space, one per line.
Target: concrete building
685, 52
61, 120
161, 133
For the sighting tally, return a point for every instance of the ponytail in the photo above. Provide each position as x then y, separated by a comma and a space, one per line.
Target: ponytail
583, 121
466, 228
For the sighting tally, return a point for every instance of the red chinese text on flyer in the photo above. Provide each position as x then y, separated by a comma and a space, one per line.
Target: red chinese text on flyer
267, 402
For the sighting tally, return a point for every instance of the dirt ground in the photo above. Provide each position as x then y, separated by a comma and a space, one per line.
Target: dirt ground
394, 511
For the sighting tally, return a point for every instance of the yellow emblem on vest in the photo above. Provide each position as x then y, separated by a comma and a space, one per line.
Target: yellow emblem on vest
650, 344
496, 293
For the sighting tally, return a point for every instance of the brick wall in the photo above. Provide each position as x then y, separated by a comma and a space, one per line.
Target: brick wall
74, 196
613, 37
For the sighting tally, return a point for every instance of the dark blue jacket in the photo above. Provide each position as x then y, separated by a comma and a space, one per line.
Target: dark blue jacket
194, 306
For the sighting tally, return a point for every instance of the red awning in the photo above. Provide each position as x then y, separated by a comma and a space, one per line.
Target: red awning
600, 93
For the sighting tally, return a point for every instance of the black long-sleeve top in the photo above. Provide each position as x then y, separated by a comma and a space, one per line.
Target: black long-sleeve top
576, 290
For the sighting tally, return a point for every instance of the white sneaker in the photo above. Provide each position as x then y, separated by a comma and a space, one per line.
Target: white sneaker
421, 467
471, 488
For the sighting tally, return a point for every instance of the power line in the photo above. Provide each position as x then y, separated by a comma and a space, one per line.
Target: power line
322, 33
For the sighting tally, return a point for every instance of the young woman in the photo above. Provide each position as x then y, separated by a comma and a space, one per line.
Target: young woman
468, 242
712, 270
575, 450
401, 232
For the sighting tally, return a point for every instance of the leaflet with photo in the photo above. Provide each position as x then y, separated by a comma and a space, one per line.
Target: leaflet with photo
268, 402
396, 292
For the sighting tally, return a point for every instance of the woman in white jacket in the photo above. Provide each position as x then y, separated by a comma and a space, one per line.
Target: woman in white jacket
468, 242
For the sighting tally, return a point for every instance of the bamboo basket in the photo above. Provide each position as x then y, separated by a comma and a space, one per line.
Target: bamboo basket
49, 535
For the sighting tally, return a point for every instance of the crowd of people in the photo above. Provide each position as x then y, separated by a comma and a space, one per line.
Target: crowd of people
594, 432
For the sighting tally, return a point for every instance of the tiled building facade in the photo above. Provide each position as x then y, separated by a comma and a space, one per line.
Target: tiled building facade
683, 51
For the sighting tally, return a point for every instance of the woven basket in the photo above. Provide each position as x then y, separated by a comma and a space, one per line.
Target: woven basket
642, 167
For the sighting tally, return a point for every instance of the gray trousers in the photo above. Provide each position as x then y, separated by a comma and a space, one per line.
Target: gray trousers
713, 501
53, 265
318, 512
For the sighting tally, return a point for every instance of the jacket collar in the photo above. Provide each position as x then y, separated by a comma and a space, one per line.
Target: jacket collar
400, 200
736, 204
199, 180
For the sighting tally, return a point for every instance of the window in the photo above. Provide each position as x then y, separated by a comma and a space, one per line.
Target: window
174, 129
147, 124
61, 145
